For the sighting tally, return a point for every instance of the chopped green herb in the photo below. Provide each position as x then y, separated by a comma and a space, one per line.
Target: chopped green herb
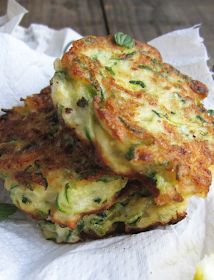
104, 179
134, 220
94, 57
124, 56
109, 69
102, 94
13, 186
131, 153
67, 186
182, 100
87, 134
210, 112
143, 66
156, 113
58, 205
92, 91
6, 210
97, 199
102, 215
140, 83
69, 234
80, 226
82, 102
154, 60
124, 40
200, 119
173, 113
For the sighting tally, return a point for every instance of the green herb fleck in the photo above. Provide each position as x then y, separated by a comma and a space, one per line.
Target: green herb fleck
146, 67
131, 153
97, 199
82, 102
124, 40
154, 60
13, 186
104, 179
6, 210
156, 113
140, 83
87, 134
92, 91
69, 235
200, 119
102, 215
80, 226
124, 56
67, 186
110, 70
210, 112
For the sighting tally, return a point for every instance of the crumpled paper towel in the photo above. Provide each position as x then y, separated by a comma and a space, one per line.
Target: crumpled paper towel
166, 253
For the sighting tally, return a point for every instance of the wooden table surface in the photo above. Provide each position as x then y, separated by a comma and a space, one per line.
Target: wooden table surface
143, 19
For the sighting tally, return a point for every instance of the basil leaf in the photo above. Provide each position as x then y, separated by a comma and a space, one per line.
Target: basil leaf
6, 210
124, 40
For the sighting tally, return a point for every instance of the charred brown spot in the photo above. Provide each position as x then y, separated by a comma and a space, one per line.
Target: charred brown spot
82, 102
68, 110
199, 88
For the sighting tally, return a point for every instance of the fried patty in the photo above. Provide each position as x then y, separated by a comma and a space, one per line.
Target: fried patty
144, 118
54, 178
49, 174
133, 212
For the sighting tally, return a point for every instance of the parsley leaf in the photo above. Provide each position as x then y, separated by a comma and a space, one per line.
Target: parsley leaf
124, 40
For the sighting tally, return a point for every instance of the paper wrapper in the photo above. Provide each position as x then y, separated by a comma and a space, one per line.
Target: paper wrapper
26, 65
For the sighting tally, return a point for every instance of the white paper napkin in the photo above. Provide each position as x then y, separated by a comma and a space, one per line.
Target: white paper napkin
26, 59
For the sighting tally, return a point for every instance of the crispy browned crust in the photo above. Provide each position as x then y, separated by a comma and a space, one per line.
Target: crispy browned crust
32, 143
31, 135
190, 160
121, 228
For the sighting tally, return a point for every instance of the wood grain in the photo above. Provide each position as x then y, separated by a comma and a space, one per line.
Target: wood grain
85, 16
149, 18
143, 19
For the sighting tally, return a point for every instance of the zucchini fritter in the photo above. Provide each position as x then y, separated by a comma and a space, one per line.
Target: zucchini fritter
130, 214
56, 179
144, 117
48, 173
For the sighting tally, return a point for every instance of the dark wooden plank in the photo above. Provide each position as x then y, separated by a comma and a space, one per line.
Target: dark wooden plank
85, 16
132, 17
147, 19
3, 7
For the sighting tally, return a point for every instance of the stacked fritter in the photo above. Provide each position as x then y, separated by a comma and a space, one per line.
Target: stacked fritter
124, 146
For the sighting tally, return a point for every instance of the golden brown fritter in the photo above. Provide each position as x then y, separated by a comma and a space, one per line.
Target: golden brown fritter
48, 173
144, 117
56, 179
